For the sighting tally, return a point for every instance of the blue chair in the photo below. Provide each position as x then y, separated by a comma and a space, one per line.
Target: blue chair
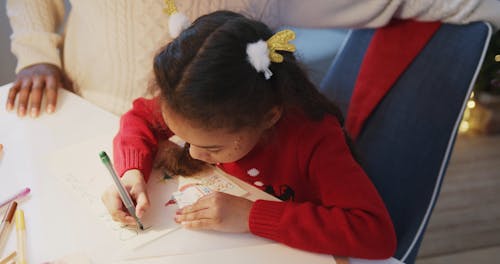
406, 142
316, 48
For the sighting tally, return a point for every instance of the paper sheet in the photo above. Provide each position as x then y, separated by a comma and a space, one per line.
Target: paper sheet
190, 189
190, 195
87, 178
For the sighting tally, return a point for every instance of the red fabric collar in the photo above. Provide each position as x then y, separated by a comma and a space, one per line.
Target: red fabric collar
390, 52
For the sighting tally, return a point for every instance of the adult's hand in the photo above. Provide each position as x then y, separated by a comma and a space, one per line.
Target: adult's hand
30, 85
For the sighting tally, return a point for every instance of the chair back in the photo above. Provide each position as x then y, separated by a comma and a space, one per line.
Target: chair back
406, 142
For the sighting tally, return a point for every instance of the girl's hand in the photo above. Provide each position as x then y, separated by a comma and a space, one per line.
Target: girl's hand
134, 183
217, 211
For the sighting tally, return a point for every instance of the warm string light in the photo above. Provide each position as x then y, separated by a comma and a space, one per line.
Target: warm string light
465, 125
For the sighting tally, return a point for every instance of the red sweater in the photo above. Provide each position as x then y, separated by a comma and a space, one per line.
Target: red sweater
332, 207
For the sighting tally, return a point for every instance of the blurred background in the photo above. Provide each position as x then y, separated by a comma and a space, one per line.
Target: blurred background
8, 60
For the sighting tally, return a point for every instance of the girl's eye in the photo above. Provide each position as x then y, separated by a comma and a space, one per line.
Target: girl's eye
214, 150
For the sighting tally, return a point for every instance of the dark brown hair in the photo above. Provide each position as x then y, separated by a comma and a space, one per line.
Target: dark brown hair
204, 75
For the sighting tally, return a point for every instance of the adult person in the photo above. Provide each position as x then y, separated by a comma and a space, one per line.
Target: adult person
107, 47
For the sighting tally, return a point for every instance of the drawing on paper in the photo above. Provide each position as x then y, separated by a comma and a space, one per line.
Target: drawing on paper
87, 179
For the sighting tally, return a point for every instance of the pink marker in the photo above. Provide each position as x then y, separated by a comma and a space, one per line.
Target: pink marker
23, 193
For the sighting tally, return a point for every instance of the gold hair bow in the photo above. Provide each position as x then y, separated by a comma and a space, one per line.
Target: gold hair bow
279, 41
170, 7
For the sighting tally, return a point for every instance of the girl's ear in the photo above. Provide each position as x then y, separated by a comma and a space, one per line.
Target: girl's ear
273, 116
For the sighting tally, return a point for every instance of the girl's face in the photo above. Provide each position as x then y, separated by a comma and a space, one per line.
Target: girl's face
219, 145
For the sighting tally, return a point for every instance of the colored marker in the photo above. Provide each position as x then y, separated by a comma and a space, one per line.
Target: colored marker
127, 201
9, 258
23, 193
6, 221
21, 237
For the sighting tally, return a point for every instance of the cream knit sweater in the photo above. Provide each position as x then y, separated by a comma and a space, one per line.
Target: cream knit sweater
108, 45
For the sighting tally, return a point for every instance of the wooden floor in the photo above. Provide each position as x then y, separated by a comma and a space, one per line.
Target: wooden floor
465, 224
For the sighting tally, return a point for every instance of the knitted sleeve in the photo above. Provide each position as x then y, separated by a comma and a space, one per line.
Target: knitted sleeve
34, 26
348, 217
136, 144
367, 13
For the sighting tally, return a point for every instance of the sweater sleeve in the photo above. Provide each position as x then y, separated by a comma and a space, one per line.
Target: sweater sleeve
348, 217
367, 13
34, 25
136, 144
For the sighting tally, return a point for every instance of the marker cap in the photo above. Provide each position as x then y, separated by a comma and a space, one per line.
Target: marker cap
20, 220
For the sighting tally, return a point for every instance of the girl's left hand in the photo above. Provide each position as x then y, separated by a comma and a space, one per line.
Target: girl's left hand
217, 211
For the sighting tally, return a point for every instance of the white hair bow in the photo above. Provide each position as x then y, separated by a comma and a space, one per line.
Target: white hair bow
262, 53
177, 22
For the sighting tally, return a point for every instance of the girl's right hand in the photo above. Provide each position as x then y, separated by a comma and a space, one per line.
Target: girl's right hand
134, 183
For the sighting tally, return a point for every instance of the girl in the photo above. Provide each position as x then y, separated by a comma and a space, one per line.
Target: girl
252, 112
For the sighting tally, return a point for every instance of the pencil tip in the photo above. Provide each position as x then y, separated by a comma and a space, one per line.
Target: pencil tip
141, 226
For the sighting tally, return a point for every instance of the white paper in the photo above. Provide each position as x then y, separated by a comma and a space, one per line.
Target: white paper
217, 180
87, 178
190, 195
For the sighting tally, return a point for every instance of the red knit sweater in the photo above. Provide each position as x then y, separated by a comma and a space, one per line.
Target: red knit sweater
332, 207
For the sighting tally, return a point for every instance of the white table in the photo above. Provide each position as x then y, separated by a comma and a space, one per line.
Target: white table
56, 227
